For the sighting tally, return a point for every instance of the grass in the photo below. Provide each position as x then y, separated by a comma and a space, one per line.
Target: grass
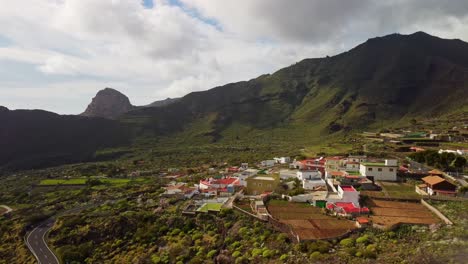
400, 190
82, 181
210, 207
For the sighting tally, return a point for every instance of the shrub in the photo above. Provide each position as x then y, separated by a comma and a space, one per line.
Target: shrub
347, 242
362, 240
283, 257
315, 255
236, 254
211, 253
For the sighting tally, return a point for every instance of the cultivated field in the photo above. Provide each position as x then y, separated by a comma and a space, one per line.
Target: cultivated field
396, 190
390, 213
308, 221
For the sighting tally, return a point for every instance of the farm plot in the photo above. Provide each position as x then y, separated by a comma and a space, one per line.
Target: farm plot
308, 222
390, 213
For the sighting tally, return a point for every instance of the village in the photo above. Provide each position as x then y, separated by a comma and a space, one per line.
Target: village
323, 197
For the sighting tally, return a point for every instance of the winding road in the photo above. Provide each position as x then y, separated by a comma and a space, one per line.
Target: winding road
35, 241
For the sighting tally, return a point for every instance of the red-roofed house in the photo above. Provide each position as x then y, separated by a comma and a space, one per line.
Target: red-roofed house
347, 209
219, 183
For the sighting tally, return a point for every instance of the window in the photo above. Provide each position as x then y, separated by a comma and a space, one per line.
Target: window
379, 169
391, 169
370, 169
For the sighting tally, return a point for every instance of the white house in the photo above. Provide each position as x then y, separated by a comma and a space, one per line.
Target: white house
380, 171
356, 158
268, 163
287, 174
310, 179
352, 166
245, 174
282, 160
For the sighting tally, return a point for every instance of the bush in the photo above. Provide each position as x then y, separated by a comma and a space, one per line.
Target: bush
283, 257
211, 253
347, 242
362, 240
315, 255
236, 254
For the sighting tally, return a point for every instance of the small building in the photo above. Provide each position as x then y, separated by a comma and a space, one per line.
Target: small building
435, 185
380, 171
362, 222
347, 209
311, 179
287, 174
259, 184
282, 160
356, 158
267, 163
334, 163
352, 166
212, 183
244, 175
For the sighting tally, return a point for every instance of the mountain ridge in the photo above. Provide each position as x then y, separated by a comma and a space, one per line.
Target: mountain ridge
379, 83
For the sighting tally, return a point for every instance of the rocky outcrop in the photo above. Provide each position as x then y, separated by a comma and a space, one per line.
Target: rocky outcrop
108, 103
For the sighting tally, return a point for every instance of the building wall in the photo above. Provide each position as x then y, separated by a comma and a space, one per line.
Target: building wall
258, 186
380, 173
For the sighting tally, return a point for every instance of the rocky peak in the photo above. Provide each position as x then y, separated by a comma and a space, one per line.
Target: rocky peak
108, 103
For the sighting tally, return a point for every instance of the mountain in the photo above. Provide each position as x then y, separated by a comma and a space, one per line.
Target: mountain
108, 103
383, 82
380, 82
36, 138
164, 102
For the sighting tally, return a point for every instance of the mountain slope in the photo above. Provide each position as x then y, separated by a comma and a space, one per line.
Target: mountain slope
385, 79
36, 138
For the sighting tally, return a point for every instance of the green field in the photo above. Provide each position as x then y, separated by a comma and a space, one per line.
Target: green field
82, 181
210, 207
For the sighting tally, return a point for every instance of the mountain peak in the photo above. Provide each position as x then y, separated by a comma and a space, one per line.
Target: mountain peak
108, 103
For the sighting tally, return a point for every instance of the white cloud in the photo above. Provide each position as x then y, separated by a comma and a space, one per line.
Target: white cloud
57, 48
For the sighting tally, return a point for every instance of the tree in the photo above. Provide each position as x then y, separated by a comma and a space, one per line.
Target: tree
459, 162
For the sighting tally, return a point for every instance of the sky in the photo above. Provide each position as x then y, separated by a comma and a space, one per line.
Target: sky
57, 54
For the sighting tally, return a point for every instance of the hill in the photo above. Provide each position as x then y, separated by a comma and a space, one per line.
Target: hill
36, 138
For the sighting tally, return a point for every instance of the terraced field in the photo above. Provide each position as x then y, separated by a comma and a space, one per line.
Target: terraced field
390, 213
308, 222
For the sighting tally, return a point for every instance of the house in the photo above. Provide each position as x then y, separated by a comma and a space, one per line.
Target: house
352, 166
346, 209
311, 179
345, 194
332, 174
244, 166
435, 185
245, 174
310, 164
212, 183
362, 222
380, 171
356, 158
334, 163
267, 163
260, 183
287, 174
282, 160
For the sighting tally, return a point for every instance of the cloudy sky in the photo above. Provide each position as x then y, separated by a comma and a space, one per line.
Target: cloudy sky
56, 54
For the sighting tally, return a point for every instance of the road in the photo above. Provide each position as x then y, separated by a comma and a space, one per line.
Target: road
418, 167
7, 208
37, 244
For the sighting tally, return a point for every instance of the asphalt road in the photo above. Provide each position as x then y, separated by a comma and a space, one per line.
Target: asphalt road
38, 246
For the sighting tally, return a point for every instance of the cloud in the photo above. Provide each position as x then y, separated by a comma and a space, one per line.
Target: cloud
53, 48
